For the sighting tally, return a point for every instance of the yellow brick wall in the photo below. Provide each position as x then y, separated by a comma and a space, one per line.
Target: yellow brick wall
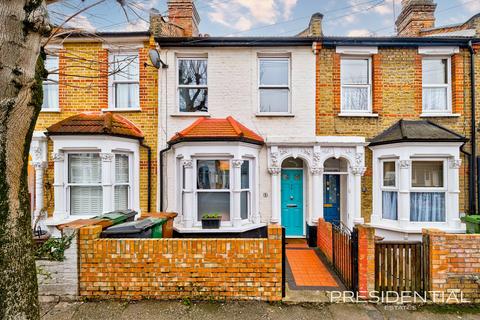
397, 93
83, 87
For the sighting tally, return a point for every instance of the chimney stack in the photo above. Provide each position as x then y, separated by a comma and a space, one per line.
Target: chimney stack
314, 28
184, 14
416, 15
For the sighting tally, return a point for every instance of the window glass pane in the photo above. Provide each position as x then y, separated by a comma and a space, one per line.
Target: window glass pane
121, 168
127, 95
427, 174
192, 72
389, 205
389, 174
355, 98
192, 100
434, 99
427, 206
50, 95
84, 168
274, 100
244, 204
214, 202
86, 200
124, 67
434, 71
213, 174
354, 71
245, 174
335, 165
274, 72
121, 197
51, 64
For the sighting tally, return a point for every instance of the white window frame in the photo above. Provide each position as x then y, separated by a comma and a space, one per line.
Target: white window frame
111, 82
388, 188
69, 185
369, 86
248, 190
130, 178
189, 86
273, 87
443, 189
47, 82
196, 190
448, 86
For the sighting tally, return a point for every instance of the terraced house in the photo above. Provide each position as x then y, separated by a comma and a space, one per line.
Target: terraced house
263, 130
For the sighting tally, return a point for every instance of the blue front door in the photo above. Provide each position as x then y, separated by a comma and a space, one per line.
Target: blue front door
292, 201
331, 198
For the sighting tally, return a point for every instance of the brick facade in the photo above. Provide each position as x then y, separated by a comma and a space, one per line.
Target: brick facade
231, 269
324, 238
83, 87
454, 263
366, 260
397, 94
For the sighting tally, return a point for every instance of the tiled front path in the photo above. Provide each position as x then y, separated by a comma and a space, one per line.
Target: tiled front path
306, 270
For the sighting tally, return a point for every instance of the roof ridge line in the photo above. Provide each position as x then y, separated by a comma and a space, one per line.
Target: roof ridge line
235, 126
107, 122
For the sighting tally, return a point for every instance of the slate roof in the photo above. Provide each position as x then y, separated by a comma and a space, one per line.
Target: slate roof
207, 129
96, 123
416, 131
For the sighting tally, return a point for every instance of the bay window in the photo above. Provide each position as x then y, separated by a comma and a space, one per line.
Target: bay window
274, 85
245, 193
192, 84
124, 81
213, 188
427, 194
436, 85
389, 190
121, 188
85, 183
356, 85
50, 85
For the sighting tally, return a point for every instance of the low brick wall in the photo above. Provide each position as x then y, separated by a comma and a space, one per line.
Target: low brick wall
231, 269
366, 260
324, 238
454, 263
58, 280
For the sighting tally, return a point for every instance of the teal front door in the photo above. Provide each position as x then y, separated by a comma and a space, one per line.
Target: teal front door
292, 201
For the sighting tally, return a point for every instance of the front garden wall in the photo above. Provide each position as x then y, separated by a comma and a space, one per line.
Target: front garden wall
230, 269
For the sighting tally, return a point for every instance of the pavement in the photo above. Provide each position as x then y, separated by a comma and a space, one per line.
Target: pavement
179, 310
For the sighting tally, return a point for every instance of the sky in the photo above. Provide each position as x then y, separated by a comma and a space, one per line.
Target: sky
258, 17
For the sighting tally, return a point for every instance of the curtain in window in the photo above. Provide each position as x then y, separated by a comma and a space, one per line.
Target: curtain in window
355, 98
85, 172
127, 95
389, 205
427, 206
121, 177
434, 99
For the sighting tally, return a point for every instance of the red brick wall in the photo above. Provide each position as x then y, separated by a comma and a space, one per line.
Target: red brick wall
233, 269
454, 261
324, 238
366, 259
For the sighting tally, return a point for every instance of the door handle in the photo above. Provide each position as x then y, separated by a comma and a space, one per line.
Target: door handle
292, 205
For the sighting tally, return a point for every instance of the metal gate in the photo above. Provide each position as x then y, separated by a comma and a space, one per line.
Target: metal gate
345, 255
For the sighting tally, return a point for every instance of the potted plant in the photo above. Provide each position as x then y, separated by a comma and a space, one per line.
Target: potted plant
211, 221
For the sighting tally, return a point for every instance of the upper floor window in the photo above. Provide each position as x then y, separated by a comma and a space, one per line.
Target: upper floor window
192, 85
436, 85
124, 81
274, 85
50, 85
356, 85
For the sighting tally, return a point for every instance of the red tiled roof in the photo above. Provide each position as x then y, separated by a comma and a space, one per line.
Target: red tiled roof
96, 123
206, 129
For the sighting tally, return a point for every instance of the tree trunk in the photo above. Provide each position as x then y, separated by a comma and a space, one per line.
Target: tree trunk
23, 23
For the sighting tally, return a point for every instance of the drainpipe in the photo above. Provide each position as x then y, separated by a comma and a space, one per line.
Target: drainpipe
473, 162
161, 174
149, 176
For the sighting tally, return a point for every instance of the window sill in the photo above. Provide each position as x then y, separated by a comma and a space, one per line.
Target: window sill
246, 227
440, 115
274, 114
414, 226
190, 114
122, 110
359, 115
50, 110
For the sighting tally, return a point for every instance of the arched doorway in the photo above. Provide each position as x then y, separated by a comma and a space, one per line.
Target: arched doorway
335, 182
292, 197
